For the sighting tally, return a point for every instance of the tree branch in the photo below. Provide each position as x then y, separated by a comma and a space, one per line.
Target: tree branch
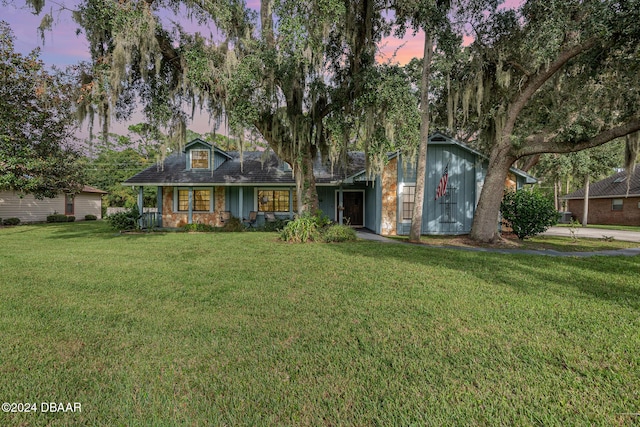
541, 143
541, 78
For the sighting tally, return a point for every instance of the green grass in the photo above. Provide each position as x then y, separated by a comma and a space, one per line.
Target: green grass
239, 329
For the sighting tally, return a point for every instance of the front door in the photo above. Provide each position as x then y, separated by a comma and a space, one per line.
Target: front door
353, 208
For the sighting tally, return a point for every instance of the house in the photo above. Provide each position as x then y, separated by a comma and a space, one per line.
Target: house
201, 181
29, 209
609, 202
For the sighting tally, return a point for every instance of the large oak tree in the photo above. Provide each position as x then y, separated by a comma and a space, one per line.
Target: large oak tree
550, 77
300, 73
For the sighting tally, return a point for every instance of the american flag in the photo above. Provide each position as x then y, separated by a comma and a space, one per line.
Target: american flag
441, 190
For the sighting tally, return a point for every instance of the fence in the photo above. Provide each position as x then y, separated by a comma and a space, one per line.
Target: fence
150, 220
118, 210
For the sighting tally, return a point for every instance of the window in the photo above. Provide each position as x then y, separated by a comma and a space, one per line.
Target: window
616, 204
275, 200
183, 200
199, 159
68, 204
408, 201
201, 200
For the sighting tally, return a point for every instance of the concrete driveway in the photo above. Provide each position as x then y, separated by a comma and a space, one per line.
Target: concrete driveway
595, 233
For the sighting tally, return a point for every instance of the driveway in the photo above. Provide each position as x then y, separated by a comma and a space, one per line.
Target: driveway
595, 233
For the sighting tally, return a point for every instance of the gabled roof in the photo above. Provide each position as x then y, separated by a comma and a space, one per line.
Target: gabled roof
201, 142
257, 167
90, 189
438, 138
613, 186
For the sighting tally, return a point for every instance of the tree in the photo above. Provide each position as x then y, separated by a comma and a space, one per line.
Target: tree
592, 163
295, 72
37, 123
434, 18
566, 171
113, 162
549, 78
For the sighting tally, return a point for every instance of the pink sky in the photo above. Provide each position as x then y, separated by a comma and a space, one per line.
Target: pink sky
63, 47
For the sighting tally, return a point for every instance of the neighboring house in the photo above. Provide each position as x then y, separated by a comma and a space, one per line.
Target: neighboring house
199, 183
29, 209
609, 202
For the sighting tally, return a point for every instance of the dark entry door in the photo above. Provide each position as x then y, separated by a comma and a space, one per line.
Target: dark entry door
353, 208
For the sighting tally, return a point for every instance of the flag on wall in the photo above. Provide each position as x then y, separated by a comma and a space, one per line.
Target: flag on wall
441, 190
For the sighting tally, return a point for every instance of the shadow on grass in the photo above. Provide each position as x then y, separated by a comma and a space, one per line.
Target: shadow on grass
613, 279
100, 230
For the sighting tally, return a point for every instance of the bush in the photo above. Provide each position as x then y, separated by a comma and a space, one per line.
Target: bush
301, 230
276, 225
529, 212
90, 217
11, 221
127, 220
198, 227
71, 218
57, 218
233, 224
339, 233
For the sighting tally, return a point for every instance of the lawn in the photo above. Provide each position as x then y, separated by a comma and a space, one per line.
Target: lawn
239, 329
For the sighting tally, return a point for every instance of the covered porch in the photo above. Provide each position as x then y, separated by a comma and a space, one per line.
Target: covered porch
181, 205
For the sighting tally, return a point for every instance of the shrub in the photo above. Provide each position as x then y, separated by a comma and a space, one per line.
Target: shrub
11, 221
127, 220
276, 225
198, 227
233, 224
301, 230
57, 218
339, 233
90, 217
529, 212
71, 218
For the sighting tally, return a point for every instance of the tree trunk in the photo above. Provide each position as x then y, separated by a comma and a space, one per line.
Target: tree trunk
301, 162
305, 182
555, 196
416, 215
585, 210
485, 222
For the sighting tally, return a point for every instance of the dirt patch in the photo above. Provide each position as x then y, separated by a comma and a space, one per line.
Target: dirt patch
508, 241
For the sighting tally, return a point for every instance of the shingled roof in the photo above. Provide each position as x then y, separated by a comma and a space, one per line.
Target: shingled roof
613, 186
256, 168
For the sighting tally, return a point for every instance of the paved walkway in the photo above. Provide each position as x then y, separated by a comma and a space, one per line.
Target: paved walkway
595, 233
560, 231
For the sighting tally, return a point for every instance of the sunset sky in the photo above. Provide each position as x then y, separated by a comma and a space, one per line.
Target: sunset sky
63, 47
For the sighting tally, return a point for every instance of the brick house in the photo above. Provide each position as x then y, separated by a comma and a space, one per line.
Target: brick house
609, 201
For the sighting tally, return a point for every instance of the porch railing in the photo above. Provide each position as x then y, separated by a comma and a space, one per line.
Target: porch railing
149, 220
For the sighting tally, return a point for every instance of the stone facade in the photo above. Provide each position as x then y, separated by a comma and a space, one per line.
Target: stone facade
389, 198
178, 219
600, 211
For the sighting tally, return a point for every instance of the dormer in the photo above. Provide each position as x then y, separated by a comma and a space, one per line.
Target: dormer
201, 155
284, 166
